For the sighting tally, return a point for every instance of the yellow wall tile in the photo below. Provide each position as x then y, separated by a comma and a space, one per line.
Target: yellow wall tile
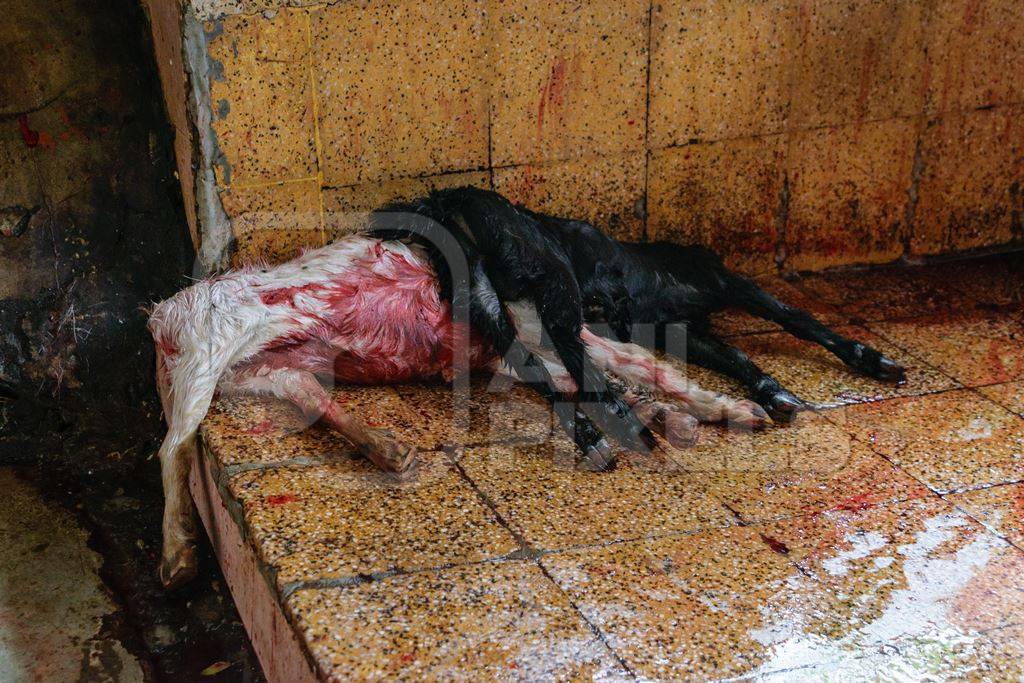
403, 88
261, 98
606, 191
723, 195
858, 61
569, 79
346, 208
971, 192
273, 223
848, 194
718, 68
975, 53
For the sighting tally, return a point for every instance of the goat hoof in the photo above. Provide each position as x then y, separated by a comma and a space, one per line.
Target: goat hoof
890, 371
388, 453
621, 422
598, 458
748, 415
681, 429
784, 406
179, 569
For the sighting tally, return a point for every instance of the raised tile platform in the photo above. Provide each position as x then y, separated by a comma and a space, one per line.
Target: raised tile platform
882, 535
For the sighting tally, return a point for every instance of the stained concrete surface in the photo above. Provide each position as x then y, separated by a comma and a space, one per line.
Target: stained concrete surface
55, 612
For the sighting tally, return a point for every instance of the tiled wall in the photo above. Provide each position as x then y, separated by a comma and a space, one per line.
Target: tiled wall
793, 134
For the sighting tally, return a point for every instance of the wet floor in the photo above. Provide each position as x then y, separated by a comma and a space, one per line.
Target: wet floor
879, 536
55, 611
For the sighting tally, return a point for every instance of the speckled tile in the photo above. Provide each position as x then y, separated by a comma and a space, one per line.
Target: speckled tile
1000, 508
952, 441
502, 621
858, 62
917, 578
1005, 660
258, 430
809, 465
994, 281
500, 409
346, 208
815, 375
1009, 395
261, 97
569, 79
969, 195
734, 322
540, 493
897, 575
403, 88
975, 53
607, 191
976, 349
724, 195
680, 608
848, 194
347, 518
718, 69
897, 292
973, 657
273, 223
251, 431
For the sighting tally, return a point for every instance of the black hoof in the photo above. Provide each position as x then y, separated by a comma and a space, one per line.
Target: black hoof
615, 418
598, 458
783, 406
890, 371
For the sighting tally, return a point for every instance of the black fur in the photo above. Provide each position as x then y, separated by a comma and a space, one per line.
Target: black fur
641, 292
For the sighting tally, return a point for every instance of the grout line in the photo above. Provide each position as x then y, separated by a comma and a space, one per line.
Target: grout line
358, 579
490, 52
975, 390
263, 183
591, 625
524, 545
980, 522
315, 97
912, 354
644, 227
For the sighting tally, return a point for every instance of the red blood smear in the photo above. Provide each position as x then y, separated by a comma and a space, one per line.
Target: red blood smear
31, 137
775, 544
282, 499
261, 427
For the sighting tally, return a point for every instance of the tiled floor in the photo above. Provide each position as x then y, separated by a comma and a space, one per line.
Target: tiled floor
881, 536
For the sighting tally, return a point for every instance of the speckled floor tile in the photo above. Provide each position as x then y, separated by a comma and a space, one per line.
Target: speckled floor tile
951, 441
990, 656
981, 348
347, 518
903, 574
733, 322
816, 376
918, 579
251, 430
245, 430
1000, 508
541, 495
681, 608
810, 465
992, 281
503, 621
499, 409
1005, 655
1009, 395
887, 293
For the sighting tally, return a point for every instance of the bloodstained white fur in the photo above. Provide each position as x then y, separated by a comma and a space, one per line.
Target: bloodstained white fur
359, 310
